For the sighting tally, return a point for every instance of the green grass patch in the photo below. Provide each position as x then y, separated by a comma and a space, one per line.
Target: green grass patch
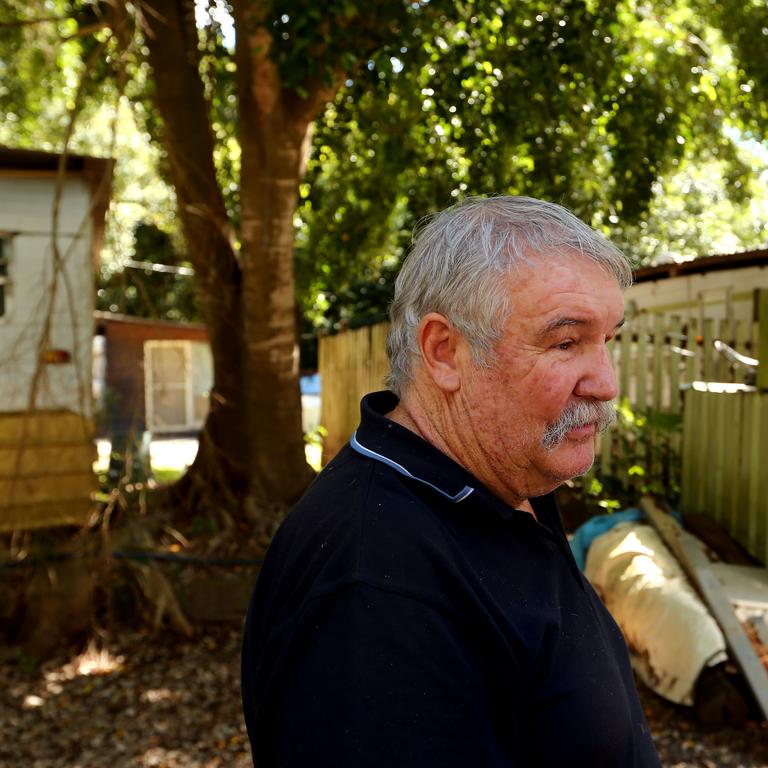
167, 475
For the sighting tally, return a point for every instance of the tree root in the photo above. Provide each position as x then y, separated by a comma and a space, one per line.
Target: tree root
161, 598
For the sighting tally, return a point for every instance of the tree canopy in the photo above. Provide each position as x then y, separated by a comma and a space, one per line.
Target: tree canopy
638, 116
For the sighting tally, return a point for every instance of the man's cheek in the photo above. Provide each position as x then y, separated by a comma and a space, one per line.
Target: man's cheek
550, 391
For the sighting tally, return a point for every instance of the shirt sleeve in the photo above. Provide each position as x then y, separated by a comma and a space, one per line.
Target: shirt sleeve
371, 677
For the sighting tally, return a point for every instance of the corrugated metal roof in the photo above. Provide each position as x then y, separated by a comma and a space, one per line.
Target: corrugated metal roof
704, 264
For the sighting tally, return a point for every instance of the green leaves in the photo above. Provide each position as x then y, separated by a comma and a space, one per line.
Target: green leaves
607, 108
322, 41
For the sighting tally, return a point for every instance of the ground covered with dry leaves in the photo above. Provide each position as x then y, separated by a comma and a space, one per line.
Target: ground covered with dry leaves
143, 700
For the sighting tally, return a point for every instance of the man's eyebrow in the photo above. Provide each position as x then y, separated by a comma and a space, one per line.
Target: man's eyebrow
564, 322
560, 322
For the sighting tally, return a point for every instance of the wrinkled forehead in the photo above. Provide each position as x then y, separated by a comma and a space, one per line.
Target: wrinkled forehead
532, 261
546, 284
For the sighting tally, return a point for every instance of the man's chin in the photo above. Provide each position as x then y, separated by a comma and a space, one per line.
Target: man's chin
572, 459
555, 470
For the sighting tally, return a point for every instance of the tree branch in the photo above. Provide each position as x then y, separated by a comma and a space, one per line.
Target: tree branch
87, 30
31, 22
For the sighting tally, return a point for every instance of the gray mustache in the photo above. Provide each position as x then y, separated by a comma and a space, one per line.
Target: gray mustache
579, 414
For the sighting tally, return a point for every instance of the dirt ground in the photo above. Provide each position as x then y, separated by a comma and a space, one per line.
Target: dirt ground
144, 700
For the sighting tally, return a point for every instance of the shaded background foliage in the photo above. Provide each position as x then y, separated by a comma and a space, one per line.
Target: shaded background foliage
147, 292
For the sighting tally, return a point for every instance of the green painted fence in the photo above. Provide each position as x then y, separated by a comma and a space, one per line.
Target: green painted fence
725, 462
725, 449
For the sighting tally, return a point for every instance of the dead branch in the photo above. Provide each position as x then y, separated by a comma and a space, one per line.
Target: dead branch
159, 594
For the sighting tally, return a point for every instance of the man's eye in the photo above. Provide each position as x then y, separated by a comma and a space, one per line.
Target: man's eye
564, 344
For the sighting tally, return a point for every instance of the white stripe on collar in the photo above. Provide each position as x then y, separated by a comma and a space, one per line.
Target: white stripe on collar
361, 449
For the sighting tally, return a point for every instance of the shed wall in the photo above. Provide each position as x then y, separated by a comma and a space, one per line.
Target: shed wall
25, 223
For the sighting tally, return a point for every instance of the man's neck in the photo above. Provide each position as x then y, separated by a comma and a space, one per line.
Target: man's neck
410, 413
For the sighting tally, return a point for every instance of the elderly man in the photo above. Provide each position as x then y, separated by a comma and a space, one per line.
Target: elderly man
420, 606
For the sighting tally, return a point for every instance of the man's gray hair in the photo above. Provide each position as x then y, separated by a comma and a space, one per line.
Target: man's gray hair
459, 259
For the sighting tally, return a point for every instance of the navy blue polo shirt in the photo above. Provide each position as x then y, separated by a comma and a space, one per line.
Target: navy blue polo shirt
405, 616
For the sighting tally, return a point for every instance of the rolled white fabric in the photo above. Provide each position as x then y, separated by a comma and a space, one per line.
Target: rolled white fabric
670, 633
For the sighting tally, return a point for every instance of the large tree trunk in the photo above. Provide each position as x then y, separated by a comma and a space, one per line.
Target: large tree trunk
274, 134
251, 447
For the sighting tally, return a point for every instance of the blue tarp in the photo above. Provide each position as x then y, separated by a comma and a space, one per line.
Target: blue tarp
586, 533
596, 526
310, 384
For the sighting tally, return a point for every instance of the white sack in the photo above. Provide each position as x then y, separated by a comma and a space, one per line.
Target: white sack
670, 633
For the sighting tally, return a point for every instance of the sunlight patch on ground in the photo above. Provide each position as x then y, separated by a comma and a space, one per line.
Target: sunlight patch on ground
178, 454
157, 756
173, 454
155, 695
169, 454
32, 702
92, 661
103, 447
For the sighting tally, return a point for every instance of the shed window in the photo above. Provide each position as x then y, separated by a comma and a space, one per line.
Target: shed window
5, 281
178, 378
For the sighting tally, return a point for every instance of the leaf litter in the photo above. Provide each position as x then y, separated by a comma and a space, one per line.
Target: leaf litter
140, 700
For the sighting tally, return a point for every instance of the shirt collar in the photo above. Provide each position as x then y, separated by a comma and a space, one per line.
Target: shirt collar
384, 440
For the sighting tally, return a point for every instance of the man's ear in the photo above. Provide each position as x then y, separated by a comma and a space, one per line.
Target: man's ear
439, 342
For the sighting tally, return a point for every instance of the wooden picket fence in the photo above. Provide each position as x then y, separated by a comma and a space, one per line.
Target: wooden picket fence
657, 359
351, 364
725, 450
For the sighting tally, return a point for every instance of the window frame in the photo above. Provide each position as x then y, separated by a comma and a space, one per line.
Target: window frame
6, 281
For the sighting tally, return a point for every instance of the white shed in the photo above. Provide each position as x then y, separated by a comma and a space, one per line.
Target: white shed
51, 227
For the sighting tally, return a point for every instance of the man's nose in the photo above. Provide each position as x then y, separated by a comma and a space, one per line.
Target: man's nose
599, 379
